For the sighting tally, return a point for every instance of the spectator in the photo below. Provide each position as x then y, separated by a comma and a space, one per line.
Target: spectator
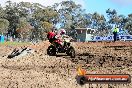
115, 32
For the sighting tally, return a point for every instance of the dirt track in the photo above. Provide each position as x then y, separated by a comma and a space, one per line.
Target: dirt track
39, 70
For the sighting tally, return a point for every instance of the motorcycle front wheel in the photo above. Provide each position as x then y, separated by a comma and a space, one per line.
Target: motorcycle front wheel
71, 52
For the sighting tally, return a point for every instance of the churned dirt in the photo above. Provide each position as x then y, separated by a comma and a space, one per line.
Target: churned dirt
38, 70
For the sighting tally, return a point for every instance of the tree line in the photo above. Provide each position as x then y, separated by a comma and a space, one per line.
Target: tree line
32, 21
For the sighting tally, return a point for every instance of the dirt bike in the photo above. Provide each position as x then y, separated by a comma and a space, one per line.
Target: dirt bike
55, 48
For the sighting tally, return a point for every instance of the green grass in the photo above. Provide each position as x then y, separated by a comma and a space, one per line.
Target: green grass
14, 43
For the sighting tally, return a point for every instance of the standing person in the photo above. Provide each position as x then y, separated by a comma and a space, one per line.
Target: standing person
115, 32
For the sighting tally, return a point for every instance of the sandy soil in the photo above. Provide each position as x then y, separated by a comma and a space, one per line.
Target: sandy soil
38, 70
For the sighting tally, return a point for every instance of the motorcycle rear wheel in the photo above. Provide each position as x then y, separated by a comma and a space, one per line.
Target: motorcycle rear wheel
51, 51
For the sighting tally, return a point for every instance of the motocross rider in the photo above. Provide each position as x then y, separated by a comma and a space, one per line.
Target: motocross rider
61, 35
51, 36
58, 36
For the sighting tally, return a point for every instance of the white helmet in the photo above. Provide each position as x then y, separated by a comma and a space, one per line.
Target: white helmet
62, 31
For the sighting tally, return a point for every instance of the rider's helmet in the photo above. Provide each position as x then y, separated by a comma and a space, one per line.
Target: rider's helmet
62, 32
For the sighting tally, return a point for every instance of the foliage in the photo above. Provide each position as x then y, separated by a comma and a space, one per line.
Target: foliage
24, 29
3, 25
70, 14
128, 24
47, 26
31, 21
